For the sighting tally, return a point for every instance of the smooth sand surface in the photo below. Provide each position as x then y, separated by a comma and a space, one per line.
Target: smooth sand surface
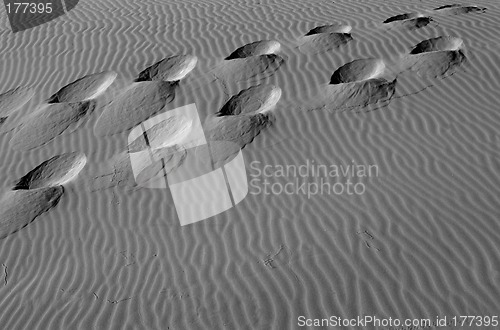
409, 86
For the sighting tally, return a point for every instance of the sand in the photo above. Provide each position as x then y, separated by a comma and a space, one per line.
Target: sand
56, 171
408, 86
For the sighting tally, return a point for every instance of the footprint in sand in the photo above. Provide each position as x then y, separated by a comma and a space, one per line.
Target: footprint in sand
49, 121
171, 69
14, 99
357, 84
251, 62
136, 103
408, 21
56, 171
38, 191
457, 9
436, 57
324, 38
86, 88
18, 208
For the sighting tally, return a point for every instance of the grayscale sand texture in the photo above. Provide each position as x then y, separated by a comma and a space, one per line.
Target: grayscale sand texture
410, 88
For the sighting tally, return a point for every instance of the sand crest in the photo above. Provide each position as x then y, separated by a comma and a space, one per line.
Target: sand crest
20, 207
169, 69
48, 122
262, 47
56, 171
14, 99
256, 99
85, 88
137, 103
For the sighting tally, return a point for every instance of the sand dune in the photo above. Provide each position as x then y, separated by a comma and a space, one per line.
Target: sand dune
49, 121
135, 104
253, 100
85, 88
169, 69
14, 99
18, 208
262, 47
56, 171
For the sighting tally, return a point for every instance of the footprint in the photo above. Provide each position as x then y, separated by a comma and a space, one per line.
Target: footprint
357, 84
56, 171
49, 121
18, 208
325, 38
262, 47
171, 69
409, 21
436, 57
456, 9
85, 88
138, 102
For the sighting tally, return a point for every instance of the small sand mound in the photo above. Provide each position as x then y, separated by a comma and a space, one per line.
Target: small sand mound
456, 9
256, 99
402, 17
137, 103
438, 44
53, 172
172, 69
358, 70
167, 133
48, 122
332, 28
14, 99
20, 207
322, 42
85, 88
250, 68
263, 47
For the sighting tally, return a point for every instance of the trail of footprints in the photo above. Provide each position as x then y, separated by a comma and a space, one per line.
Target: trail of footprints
353, 85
